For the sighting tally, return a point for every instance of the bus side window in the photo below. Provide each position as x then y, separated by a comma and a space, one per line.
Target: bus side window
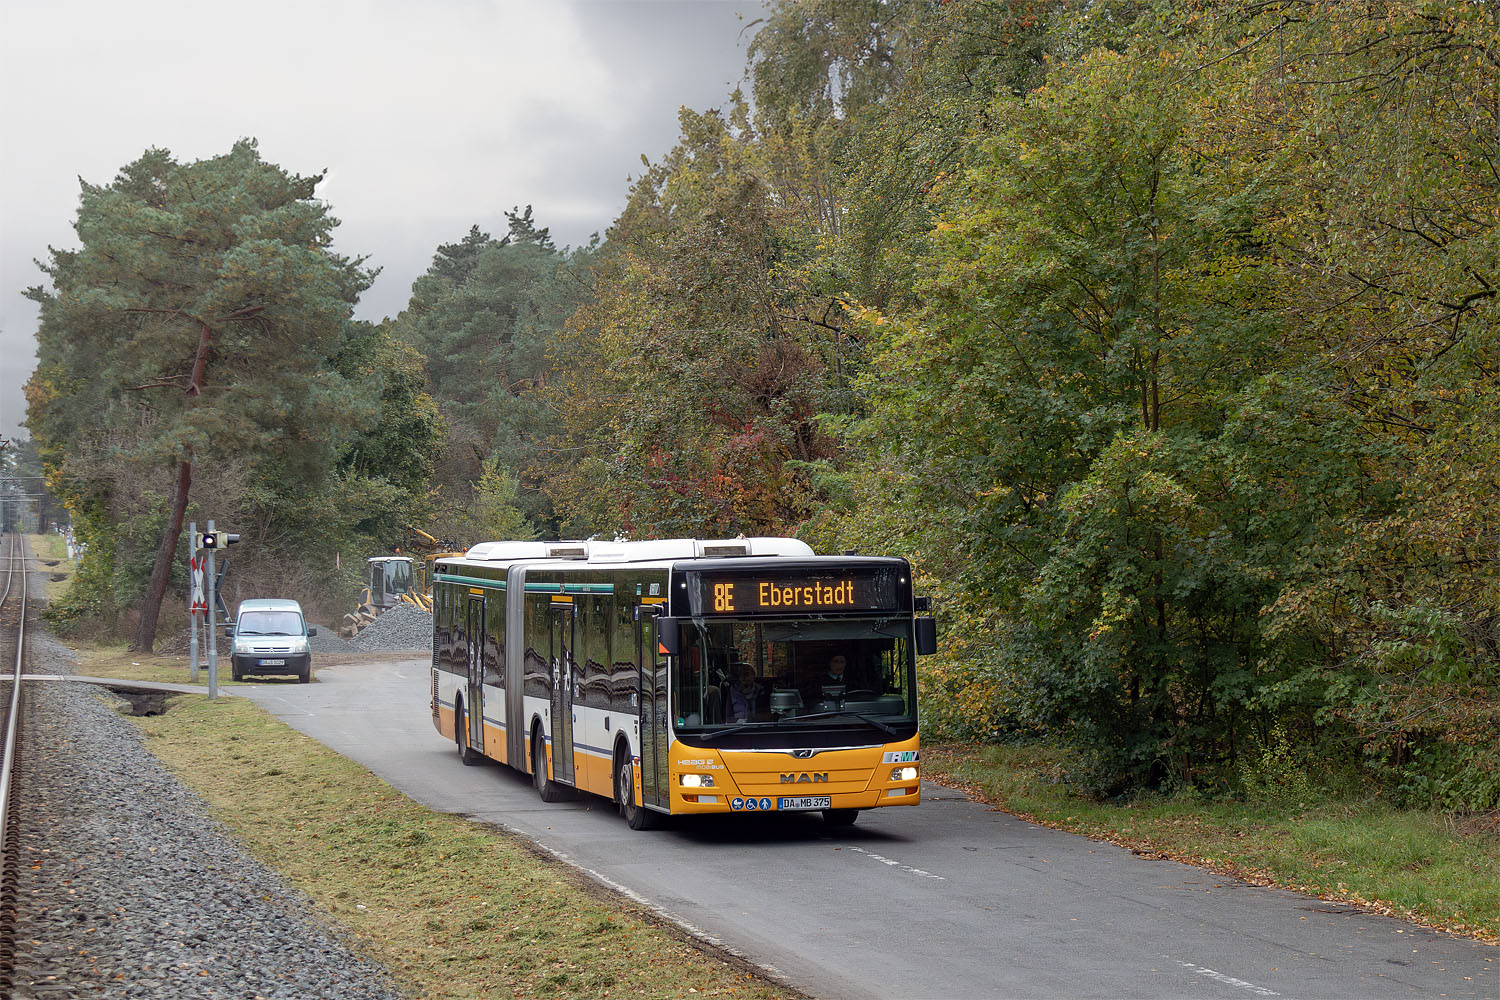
596, 634
622, 671
494, 642
538, 676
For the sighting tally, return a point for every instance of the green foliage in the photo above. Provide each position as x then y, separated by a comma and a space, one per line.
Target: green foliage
1171, 421
692, 381
1276, 770
495, 514
484, 317
89, 600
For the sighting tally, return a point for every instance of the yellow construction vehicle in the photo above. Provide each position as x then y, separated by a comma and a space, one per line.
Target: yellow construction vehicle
432, 549
398, 579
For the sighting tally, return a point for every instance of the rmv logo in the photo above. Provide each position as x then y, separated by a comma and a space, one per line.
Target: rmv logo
804, 778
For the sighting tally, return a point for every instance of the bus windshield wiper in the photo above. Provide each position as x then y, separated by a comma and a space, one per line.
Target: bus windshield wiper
713, 733
858, 715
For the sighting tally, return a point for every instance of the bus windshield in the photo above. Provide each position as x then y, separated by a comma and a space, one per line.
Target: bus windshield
790, 675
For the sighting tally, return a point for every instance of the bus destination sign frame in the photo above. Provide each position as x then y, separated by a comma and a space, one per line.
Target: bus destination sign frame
851, 590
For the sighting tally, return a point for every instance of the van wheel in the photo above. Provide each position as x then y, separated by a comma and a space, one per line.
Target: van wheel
461, 737
636, 817
840, 817
549, 790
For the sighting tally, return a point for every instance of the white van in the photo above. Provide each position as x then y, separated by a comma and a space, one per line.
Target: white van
270, 637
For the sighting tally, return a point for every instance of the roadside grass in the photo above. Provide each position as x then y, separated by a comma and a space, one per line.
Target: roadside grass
453, 909
52, 554
1427, 867
117, 661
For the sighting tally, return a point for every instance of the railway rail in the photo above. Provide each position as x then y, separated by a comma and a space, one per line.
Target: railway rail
13, 608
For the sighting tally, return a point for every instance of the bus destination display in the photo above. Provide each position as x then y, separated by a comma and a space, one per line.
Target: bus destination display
771, 594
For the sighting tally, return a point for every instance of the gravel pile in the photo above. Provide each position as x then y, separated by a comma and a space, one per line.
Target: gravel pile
129, 889
403, 628
327, 641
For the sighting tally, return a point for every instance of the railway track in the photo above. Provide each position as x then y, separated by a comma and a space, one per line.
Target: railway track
13, 609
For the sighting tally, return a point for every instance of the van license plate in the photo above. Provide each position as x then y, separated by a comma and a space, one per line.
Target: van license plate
273, 663
806, 802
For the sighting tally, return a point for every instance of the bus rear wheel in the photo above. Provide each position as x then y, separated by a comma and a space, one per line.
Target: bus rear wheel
840, 817
549, 790
636, 817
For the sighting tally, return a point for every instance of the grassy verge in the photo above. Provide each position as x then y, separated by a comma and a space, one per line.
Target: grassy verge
116, 660
454, 909
1426, 867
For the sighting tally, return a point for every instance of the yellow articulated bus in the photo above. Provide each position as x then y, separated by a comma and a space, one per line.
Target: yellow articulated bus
684, 676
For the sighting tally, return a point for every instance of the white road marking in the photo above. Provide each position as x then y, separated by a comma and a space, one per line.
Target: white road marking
897, 864
1259, 991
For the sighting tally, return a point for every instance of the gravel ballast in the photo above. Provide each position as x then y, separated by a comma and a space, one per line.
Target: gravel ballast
130, 889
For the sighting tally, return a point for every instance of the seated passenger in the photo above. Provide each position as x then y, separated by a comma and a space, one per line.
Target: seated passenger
744, 699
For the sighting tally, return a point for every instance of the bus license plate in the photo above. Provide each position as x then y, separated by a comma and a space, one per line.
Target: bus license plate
806, 802
273, 663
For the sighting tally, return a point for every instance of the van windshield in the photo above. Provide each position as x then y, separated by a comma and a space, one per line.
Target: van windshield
269, 623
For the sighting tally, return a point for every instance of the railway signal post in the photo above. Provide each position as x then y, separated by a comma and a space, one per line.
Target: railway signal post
210, 542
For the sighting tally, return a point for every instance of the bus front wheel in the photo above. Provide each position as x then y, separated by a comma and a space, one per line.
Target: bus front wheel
636, 817
840, 817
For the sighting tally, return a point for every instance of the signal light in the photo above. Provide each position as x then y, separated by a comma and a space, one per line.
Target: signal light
217, 539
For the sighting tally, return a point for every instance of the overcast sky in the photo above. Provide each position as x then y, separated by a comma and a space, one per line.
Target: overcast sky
429, 117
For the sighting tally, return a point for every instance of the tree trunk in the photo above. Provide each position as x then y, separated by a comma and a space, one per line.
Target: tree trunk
145, 633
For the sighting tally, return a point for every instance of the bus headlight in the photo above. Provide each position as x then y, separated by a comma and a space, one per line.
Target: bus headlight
697, 781
903, 774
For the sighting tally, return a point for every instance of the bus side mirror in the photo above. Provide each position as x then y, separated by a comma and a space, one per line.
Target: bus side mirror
926, 636
668, 636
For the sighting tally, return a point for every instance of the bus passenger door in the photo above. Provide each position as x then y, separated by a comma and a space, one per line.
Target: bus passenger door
652, 684
474, 697
562, 692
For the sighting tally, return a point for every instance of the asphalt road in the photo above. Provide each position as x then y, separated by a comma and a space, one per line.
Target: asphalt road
950, 899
